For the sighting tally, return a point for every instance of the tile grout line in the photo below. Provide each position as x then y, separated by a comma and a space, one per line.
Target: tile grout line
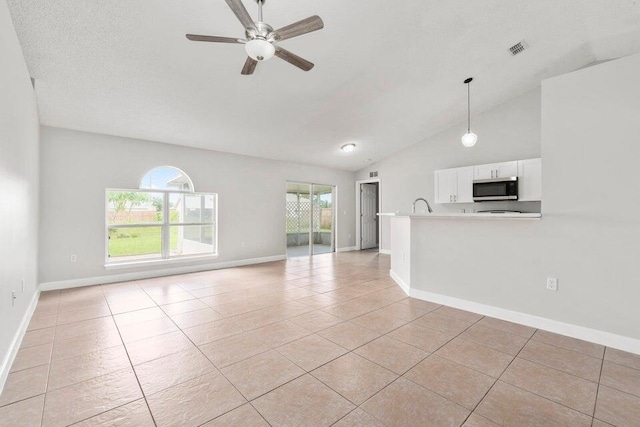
377, 338
569, 349
55, 331
144, 396
595, 403
557, 370
429, 355
496, 381
304, 370
545, 398
214, 365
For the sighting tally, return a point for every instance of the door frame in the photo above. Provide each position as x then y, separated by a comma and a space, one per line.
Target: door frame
334, 203
359, 212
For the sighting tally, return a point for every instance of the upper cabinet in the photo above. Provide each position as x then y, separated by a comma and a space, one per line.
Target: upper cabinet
530, 180
464, 185
454, 185
495, 170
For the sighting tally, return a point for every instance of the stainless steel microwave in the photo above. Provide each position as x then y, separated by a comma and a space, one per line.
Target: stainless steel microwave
485, 190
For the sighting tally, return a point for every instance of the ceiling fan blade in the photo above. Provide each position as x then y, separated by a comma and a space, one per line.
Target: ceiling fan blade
214, 39
293, 59
313, 23
241, 13
249, 66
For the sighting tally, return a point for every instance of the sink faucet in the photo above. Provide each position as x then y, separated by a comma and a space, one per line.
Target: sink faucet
413, 209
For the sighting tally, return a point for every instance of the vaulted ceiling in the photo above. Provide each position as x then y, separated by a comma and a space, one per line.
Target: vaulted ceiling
388, 73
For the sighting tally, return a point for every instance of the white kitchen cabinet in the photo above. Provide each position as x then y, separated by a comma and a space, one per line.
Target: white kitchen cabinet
454, 185
496, 170
506, 169
484, 171
464, 185
530, 180
443, 185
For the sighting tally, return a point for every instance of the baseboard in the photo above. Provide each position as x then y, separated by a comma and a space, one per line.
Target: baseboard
580, 332
405, 287
385, 251
125, 277
17, 340
347, 249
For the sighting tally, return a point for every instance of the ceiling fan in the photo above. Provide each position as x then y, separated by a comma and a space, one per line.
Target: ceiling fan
261, 38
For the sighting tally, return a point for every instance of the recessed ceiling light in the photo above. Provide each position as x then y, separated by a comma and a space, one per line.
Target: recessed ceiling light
347, 148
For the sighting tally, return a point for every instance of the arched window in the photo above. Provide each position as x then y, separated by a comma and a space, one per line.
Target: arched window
163, 220
166, 178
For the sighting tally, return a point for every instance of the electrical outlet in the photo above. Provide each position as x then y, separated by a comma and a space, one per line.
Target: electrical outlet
74, 257
552, 283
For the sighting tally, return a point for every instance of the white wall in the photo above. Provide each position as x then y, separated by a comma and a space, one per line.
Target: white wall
510, 131
18, 187
77, 167
589, 234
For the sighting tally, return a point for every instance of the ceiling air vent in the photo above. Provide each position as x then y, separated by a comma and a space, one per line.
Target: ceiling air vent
518, 48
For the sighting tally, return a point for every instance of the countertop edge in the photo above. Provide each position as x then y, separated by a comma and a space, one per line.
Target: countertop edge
507, 216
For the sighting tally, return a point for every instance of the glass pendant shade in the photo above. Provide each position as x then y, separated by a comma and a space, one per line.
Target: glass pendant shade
259, 49
469, 139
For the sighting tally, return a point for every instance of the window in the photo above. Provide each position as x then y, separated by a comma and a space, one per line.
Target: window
164, 219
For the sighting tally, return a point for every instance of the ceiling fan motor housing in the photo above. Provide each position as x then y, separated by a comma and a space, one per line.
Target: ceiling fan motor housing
262, 30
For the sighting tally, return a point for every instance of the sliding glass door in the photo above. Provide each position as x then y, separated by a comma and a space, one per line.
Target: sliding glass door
310, 219
322, 219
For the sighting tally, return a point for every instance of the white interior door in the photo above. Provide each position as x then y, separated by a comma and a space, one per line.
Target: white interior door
368, 215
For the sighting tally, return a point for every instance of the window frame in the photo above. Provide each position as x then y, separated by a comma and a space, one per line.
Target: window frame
165, 227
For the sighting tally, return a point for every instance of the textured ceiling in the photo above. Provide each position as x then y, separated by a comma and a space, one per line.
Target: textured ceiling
388, 73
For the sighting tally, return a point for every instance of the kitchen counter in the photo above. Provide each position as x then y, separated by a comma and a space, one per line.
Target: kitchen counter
490, 216
426, 248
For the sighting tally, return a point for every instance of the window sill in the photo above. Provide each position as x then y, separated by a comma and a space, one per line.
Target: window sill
132, 264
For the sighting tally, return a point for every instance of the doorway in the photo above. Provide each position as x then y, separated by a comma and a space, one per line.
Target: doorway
367, 209
310, 219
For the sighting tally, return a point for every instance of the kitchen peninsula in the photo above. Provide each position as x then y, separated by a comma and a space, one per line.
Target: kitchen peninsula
430, 253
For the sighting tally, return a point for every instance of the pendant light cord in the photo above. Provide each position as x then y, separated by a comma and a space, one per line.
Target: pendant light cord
468, 108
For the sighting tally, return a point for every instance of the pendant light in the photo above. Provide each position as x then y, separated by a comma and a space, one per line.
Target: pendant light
469, 139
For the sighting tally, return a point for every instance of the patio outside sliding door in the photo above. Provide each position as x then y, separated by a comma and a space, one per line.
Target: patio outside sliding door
322, 239
310, 219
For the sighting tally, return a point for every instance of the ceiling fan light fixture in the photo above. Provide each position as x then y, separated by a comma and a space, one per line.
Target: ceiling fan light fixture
260, 49
348, 148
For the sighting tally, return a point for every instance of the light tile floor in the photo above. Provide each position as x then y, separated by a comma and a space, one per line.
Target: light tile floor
303, 250
307, 342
